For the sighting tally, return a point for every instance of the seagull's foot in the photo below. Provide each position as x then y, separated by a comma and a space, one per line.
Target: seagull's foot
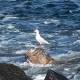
40, 46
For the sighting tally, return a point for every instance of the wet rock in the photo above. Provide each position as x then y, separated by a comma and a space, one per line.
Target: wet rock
52, 75
39, 56
12, 72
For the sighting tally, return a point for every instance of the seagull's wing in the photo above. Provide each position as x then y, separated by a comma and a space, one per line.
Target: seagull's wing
43, 41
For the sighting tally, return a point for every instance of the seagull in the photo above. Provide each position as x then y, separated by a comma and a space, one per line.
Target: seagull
39, 39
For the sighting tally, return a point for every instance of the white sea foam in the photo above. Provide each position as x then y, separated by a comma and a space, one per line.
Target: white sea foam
8, 17
22, 65
10, 26
4, 42
34, 70
77, 42
38, 65
39, 77
20, 51
2, 26
1, 15
49, 21
70, 55
32, 65
77, 77
4, 59
78, 31
30, 45
66, 69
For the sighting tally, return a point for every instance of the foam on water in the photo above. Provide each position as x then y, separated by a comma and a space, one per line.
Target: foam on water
78, 31
38, 72
39, 77
10, 26
68, 56
51, 21
20, 51
8, 17
77, 42
7, 38
4, 59
31, 65
77, 77
67, 69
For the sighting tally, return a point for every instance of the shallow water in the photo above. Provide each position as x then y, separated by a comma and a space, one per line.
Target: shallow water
58, 22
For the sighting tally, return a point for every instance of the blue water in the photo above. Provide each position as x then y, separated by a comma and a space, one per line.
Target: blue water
58, 22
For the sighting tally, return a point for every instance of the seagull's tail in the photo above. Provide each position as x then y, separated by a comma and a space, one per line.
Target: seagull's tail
48, 43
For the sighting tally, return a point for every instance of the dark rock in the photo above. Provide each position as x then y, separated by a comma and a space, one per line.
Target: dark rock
52, 75
39, 56
12, 72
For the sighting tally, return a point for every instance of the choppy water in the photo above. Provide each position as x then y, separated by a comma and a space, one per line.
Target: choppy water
58, 22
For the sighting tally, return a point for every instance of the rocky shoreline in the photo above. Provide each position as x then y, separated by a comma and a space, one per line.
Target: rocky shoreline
12, 72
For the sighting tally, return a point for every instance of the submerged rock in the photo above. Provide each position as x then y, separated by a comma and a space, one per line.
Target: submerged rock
39, 56
12, 72
52, 75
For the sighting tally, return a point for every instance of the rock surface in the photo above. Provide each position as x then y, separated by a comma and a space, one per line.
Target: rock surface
52, 75
39, 56
12, 72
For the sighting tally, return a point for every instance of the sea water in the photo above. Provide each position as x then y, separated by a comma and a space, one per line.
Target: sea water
58, 22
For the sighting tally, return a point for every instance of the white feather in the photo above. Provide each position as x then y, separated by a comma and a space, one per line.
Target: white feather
39, 39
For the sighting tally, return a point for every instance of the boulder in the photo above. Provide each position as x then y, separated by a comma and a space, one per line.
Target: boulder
52, 75
12, 72
39, 56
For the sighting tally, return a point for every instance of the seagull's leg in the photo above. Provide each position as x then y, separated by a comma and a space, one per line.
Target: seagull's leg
40, 46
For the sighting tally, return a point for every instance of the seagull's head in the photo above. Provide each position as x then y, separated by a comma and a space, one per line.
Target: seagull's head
36, 31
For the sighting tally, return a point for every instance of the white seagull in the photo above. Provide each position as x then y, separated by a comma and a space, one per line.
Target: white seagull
39, 39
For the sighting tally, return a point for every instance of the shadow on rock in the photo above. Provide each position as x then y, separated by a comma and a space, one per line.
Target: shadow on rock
52, 75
